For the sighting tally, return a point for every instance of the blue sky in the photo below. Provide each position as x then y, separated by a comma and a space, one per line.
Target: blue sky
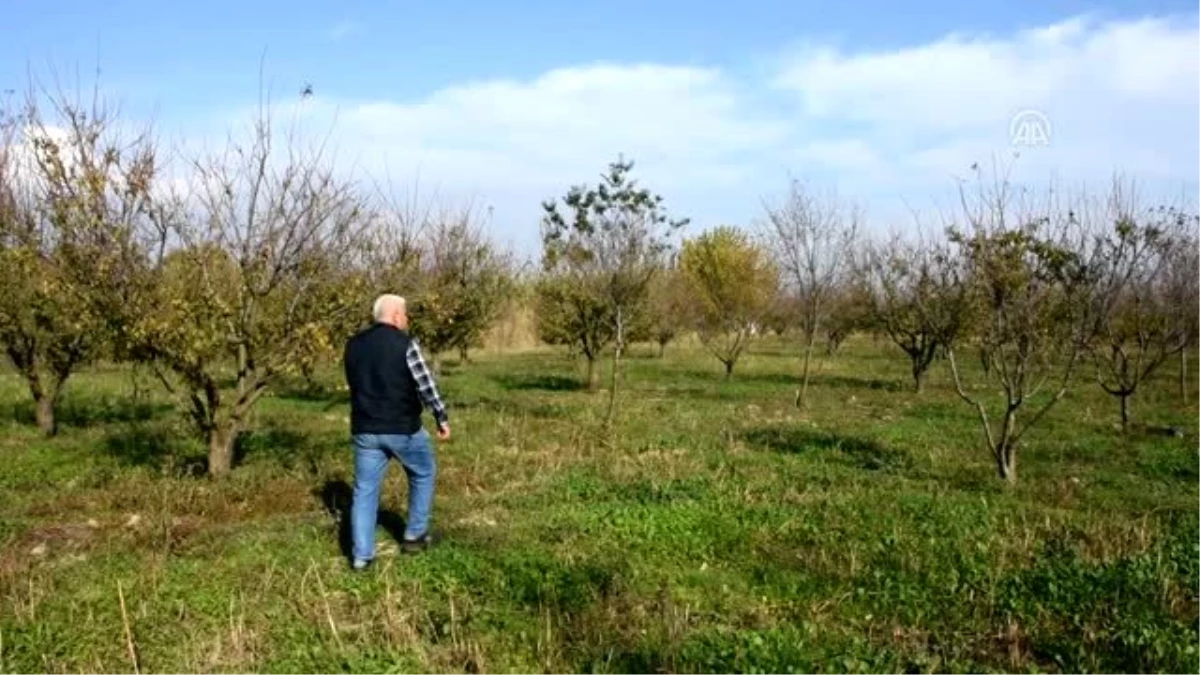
511, 103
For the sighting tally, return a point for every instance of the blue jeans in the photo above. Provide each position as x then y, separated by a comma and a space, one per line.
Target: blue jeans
371, 455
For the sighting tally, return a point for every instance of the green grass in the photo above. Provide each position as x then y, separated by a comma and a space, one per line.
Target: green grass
723, 530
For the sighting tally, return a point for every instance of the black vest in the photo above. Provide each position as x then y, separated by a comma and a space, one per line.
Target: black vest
383, 393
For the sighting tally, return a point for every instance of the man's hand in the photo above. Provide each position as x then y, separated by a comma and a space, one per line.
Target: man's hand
443, 432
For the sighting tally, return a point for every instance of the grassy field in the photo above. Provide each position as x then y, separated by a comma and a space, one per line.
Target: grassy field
726, 531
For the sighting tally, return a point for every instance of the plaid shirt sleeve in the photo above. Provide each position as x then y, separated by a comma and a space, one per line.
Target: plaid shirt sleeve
426, 387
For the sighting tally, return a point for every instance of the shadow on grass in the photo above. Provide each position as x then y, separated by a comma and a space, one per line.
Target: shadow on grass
861, 452
160, 445
288, 447
714, 375
331, 396
789, 379
338, 497
271, 442
777, 378
156, 446
849, 382
516, 406
517, 382
646, 352
88, 412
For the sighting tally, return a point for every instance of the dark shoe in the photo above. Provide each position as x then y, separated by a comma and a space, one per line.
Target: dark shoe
419, 544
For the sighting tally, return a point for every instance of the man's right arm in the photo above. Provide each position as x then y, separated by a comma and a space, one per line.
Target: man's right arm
426, 386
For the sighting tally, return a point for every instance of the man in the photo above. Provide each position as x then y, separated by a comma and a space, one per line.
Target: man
389, 382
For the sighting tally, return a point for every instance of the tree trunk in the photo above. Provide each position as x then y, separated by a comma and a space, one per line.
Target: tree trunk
44, 412
614, 382
612, 387
592, 380
1006, 447
435, 364
221, 440
833, 344
464, 355
918, 371
45, 402
728, 370
1183, 386
922, 358
1007, 462
1124, 396
662, 349
802, 395
306, 371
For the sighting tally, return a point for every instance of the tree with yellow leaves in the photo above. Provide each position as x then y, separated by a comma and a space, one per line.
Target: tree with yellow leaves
66, 179
733, 283
228, 287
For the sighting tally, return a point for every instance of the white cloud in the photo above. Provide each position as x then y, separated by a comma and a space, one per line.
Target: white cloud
525, 133
1121, 95
1118, 94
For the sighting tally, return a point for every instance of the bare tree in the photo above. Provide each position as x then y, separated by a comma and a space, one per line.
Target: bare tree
811, 236
670, 307
1141, 294
1031, 288
464, 281
401, 221
263, 268
849, 312
783, 312
1182, 286
917, 295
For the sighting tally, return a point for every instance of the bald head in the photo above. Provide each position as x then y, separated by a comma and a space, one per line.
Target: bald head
392, 310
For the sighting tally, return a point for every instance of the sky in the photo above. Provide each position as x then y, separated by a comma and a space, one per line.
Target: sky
509, 104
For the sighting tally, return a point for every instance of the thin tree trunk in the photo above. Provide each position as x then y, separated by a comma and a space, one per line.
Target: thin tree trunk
612, 384
834, 344
662, 349
1124, 396
1183, 385
464, 355
728, 370
920, 366
616, 367
1006, 449
802, 396
1007, 463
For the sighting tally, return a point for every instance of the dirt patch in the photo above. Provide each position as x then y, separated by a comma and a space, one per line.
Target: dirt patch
47, 542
